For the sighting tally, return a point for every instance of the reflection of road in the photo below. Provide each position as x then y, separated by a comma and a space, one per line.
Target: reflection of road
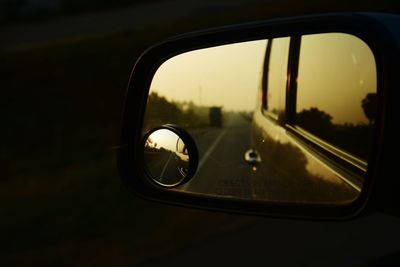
165, 169
222, 169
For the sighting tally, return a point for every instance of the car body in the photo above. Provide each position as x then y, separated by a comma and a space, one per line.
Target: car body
299, 145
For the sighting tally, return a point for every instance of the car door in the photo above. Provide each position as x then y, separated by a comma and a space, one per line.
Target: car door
314, 123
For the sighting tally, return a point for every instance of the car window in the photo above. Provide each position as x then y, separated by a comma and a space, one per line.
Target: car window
277, 76
337, 91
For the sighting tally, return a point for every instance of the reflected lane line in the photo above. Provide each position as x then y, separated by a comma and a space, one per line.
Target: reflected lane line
210, 150
165, 167
206, 155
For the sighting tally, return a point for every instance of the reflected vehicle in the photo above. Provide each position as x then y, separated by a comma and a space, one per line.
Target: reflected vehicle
314, 133
215, 114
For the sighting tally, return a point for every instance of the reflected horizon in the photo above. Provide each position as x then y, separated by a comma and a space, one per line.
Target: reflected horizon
226, 76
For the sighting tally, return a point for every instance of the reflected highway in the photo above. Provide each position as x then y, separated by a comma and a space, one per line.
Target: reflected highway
281, 176
164, 170
222, 169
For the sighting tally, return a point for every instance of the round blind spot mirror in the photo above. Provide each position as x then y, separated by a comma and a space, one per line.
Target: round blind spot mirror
170, 156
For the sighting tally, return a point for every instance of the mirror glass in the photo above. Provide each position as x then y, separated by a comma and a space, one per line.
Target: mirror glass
234, 100
166, 158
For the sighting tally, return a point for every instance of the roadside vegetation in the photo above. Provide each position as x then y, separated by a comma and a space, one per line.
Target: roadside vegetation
185, 114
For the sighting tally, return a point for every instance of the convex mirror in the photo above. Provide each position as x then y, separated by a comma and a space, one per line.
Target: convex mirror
170, 156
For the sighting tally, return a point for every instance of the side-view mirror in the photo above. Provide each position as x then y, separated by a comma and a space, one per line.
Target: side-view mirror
289, 117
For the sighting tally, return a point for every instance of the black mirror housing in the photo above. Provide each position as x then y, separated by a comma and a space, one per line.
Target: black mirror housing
380, 191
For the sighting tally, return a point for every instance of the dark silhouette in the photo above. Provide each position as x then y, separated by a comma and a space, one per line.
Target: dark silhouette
355, 139
160, 111
315, 121
369, 104
215, 115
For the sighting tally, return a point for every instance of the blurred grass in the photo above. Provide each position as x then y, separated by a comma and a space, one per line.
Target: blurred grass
61, 200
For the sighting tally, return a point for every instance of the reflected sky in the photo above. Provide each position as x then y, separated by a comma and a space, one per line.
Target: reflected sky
227, 76
163, 138
336, 72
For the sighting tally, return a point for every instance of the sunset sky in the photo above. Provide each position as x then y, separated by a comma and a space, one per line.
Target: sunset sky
230, 75
226, 76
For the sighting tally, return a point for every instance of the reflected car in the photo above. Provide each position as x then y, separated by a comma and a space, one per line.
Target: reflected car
314, 132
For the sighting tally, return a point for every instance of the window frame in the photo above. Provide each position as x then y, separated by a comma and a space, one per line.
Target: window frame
350, 167
276, 118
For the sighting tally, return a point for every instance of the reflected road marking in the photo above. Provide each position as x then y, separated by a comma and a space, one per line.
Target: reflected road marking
210, 150
207, 154
165, 167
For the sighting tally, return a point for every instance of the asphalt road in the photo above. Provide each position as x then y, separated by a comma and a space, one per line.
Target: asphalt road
222, 169
164, 169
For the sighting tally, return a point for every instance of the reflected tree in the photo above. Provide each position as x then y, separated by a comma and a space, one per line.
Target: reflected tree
159, 107
354, 138
160, 111
369, 105
315, 121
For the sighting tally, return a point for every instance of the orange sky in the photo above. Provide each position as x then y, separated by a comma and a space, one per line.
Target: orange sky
229, 76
